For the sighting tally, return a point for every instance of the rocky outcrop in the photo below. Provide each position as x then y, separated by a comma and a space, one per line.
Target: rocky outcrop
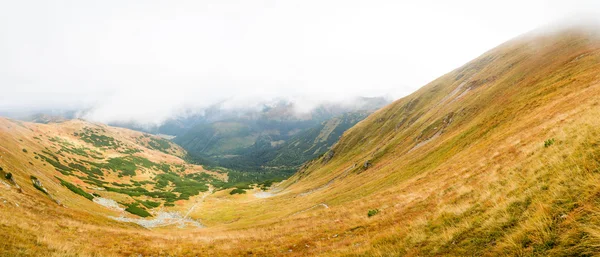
328, 156
38, 185
11, 179
367, 164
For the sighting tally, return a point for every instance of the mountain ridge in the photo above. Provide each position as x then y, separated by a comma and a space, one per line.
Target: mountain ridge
497, 157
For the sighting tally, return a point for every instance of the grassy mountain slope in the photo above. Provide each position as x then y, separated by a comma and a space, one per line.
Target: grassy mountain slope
94, 162
315, 141
498, 157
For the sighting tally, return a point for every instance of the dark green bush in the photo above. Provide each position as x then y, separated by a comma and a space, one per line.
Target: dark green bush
237, 191
549, 142
76, 189
91, 137
372, 212
185, 186
150, 204
139, 191
65, 170
126, 167
133, 209
159, 144
91, 171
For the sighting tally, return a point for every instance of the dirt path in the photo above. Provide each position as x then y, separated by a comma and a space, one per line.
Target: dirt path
210, 191
342, 175
308, 209
273, 191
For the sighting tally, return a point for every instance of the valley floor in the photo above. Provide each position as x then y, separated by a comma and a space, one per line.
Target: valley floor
545, 204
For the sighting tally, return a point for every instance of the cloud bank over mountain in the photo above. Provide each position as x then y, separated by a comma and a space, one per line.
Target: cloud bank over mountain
149, 60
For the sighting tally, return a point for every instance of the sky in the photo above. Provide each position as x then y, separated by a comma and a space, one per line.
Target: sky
146, 61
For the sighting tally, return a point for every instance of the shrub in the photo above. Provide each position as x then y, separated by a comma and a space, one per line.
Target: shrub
8, 176
159, 144
237, 191
150, 204
372, 212
76, 189
100, 141
185, 186
65, 170
549, 142
92, 171
24, 150
126, 167
133, 209
77, 151
242, 185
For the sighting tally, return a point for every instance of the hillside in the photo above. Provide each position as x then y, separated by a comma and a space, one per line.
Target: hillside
273, 143
315, 141
497, 157
117, 168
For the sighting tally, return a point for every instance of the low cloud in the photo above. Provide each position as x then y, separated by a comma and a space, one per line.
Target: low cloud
146, 61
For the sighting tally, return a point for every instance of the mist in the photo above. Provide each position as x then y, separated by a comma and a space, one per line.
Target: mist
146, 61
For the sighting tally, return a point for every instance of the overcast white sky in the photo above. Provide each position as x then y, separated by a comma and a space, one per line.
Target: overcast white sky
146, 60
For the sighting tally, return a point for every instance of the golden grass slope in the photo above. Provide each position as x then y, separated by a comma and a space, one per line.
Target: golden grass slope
24, 144
458, 168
